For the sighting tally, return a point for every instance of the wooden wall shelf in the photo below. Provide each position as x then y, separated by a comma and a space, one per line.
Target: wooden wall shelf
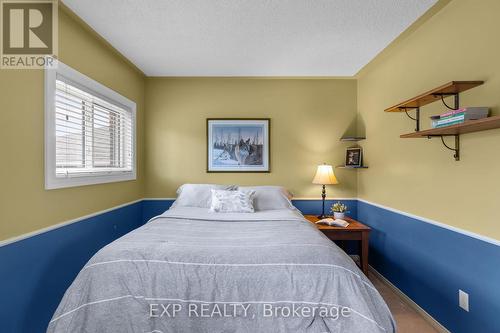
453, 88
469, 126
349, 167
449, 89
352, 138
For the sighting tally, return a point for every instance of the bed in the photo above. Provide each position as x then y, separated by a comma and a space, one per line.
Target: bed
192, 270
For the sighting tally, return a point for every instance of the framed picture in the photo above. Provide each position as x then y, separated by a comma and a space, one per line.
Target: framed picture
354, 157
238, 145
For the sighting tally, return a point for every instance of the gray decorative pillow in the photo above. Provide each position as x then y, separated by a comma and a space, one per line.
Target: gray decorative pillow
232, 201
269, 197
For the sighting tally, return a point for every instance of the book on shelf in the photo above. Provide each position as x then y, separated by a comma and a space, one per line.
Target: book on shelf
456, 122
459, 116
474, 111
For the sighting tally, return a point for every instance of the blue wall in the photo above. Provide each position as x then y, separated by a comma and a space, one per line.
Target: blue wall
152, 208
427, 262
35, 272
430, 263
313, 207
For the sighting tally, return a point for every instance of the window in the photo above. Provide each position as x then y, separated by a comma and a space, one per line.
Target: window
89, 131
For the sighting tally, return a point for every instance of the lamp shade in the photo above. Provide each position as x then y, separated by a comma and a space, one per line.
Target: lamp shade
325, 176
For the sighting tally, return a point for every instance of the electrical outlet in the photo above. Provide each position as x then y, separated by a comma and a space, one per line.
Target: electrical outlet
463, 300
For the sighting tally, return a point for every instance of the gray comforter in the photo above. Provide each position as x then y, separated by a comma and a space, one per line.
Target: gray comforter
192, 271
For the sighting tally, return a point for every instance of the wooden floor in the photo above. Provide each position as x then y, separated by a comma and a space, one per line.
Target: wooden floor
408, 320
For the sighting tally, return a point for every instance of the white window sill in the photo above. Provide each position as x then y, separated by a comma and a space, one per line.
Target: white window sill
63, 182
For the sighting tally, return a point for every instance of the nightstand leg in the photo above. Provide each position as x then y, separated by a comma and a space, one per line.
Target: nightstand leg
364, 252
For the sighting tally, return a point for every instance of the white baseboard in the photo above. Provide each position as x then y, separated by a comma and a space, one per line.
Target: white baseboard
410, 302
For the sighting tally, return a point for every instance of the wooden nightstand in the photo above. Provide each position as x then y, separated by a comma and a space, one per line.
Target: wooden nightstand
355, 231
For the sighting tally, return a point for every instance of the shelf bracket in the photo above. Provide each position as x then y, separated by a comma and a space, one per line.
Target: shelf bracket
456, 150
456, 100
417, 115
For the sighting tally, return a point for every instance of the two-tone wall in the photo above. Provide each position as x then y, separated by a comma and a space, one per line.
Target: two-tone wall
428, 212
434, 220
39, 257
420, 176
36, 271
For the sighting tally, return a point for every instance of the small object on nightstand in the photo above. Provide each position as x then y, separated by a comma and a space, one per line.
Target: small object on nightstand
336, 222
338, 209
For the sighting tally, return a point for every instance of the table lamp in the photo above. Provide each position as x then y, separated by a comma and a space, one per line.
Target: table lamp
324, 176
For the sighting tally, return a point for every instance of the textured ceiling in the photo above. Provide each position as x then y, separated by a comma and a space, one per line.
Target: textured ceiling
249, 37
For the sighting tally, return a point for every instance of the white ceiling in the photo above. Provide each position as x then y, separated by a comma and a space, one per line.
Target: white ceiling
249, 37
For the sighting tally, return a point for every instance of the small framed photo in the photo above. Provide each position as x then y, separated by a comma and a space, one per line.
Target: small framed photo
354, 157
238, 145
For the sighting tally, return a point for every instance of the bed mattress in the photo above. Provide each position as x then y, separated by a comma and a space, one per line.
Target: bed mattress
189, 270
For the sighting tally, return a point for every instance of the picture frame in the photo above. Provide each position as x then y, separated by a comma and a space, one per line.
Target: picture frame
238, 145
354, 157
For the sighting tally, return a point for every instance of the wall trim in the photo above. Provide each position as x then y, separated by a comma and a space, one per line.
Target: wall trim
436, 324
420, 218
157, 199
319, 198
300, 198
436, 223
68, 222
397, 211
63, 224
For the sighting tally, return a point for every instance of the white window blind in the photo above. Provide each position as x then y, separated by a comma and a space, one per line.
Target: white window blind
90, 131
92, 135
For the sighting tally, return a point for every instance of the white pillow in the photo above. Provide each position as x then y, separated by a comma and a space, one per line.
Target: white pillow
198, 195
269, 197
232, 201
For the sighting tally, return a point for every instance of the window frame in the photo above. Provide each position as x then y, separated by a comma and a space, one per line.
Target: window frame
101, 91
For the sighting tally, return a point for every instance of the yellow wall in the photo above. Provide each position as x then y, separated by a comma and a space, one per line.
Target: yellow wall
308, 116
418, 175
25, 205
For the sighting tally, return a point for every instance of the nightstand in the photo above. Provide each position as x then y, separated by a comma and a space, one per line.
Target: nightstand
355, 231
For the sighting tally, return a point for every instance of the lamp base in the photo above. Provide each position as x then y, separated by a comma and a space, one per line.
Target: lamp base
323, 197
321, 217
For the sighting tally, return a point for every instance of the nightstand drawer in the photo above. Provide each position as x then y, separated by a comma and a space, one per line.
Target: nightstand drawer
343, 235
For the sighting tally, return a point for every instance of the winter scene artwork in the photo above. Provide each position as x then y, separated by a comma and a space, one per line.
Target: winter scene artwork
238, 145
